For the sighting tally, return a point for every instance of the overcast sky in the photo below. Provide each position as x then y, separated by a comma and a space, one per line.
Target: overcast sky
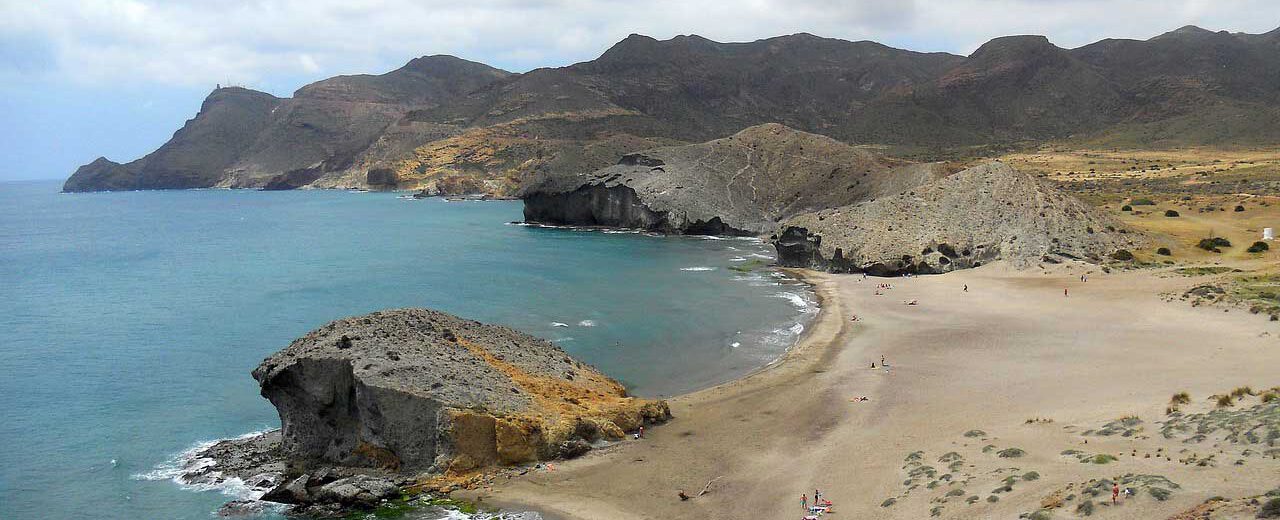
80, 79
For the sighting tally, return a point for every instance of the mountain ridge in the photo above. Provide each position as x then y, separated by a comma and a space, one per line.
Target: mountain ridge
1186, 86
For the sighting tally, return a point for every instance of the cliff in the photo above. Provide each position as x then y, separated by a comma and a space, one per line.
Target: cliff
414, 390
742, 184
986, 213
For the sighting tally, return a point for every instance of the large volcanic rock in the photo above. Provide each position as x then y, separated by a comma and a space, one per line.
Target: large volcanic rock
415, 389
742, 184
982, 214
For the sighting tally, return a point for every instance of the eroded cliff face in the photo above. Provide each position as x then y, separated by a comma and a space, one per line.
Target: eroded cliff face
986, 213
739, 185
414, 390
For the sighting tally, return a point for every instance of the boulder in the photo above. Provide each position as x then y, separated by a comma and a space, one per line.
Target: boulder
358, 490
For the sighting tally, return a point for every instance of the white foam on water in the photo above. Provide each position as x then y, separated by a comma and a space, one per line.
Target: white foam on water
761, 255
735, 344
799, 301
587, 323
562, 340
190, 460
738, 259
698, 268
559, 324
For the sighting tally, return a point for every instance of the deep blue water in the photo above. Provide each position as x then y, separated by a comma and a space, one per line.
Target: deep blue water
130, 321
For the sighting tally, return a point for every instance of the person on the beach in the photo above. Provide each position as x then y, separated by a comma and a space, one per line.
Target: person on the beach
682, 496
966, 287
804, 502
1064, 292
641, 432
882, 360
1115, 492
817, 497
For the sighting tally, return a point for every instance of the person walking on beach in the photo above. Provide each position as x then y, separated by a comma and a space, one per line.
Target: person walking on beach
817, 497
1064, 292
804, 502
966, 287
1115, 492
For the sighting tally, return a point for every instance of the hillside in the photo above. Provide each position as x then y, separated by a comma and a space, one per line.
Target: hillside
986, 213
741, 184
449, 125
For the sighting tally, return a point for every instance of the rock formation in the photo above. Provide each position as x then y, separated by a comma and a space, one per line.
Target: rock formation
444, 123
742, 184
979, 215
415, 390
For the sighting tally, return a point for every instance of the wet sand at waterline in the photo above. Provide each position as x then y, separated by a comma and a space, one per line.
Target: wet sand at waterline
1012, 363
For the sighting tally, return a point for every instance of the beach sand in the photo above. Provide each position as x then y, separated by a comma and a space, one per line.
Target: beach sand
1010, 350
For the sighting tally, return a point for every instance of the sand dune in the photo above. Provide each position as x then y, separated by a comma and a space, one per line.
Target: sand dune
1009, 350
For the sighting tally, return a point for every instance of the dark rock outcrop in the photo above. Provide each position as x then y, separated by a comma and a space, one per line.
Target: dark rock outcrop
418, 390
983, 214
740, 185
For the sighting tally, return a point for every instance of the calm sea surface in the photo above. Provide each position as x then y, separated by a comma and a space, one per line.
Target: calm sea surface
130, 321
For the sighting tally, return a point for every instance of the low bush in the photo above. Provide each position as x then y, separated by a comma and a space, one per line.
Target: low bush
1170, 213
1258, 247
1126, 207
1239, 209
1122, 255
1011, 453
1180, 398
1213, 244
1164, 251
1270, 509
1226, 401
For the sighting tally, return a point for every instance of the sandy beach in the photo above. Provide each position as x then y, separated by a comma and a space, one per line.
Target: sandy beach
999, 400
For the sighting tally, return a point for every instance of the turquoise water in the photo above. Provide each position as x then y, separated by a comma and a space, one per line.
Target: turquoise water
131, 320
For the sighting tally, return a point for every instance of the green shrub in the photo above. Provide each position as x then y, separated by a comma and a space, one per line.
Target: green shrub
1226, 401
1242, 391
1271, 509
1031, 475
1011, 453
1085, 508
1258, 247
1239, 209
1122, 255
1170, 213
1126, 207
888, 502
1213, 244
1160, 494
1101, 458
1043, 514
1164, 251
993, 499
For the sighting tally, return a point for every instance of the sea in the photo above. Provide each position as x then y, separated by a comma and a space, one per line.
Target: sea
129, 322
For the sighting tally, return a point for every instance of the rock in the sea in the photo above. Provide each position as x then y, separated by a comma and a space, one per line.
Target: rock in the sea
293, 491
982, 214
739, 185
413, 390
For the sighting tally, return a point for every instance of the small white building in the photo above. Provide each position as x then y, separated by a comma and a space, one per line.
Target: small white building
1268, 233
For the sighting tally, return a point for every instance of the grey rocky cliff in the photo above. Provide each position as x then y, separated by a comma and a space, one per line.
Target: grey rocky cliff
986, 213
421, 390
743, 184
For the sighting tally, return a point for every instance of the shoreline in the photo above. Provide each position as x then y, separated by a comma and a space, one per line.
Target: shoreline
1007, 363
818, 344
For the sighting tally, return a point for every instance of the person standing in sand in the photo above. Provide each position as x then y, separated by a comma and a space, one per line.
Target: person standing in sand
804, 502
1064, 292
1115, 492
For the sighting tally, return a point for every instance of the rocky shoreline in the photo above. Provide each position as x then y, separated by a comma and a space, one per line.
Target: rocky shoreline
381, 410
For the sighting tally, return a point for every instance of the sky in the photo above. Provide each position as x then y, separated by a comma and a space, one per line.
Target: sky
115, 78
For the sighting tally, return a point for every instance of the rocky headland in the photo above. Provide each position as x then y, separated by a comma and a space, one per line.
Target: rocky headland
985, 213
743, 184
414, 398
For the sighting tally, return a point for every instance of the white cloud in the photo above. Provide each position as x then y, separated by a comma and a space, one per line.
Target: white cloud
191, 42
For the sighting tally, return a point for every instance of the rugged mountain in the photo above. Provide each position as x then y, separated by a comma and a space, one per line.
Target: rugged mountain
982, 214
741, 184
448, 125
413, 390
